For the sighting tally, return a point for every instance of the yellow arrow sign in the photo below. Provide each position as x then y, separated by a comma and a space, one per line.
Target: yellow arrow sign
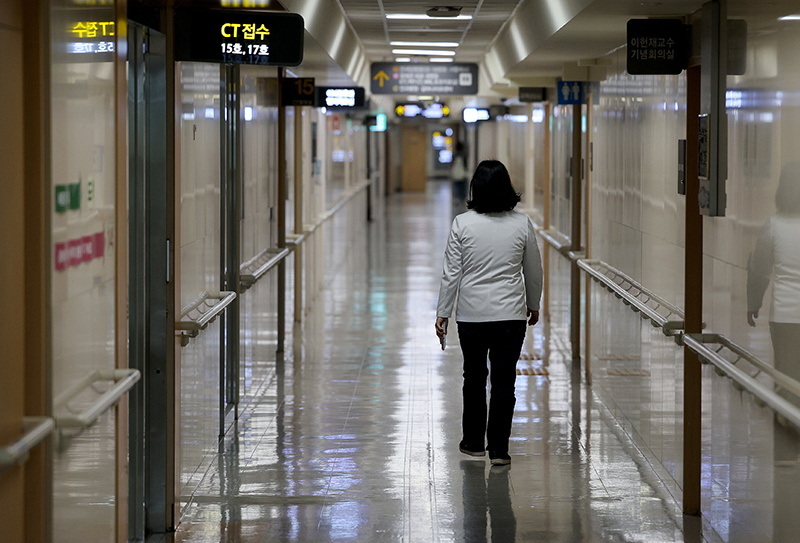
381, 77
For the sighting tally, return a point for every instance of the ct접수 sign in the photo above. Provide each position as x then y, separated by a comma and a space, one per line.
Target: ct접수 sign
239, 37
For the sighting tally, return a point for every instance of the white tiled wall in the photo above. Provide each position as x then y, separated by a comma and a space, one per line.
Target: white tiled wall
82, 297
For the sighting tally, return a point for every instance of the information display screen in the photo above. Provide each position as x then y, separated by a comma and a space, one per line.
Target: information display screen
340, 97
239, 37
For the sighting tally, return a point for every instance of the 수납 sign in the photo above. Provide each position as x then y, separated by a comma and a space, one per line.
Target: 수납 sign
657, 46
239, 37
409, 78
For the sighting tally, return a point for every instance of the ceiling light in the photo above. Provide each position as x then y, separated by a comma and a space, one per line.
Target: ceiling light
441, 60
418, 16
402, 59
795, 17
424, 43
425, 52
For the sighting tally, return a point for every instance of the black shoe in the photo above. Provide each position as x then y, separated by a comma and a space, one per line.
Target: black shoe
472, 452
499, 458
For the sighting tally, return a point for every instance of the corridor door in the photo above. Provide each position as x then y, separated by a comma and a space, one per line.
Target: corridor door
414, 151
151, 285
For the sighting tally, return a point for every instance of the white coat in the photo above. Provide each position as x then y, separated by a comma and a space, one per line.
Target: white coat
484, 262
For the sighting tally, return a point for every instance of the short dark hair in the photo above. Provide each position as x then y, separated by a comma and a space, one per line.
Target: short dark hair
491, 190
787, 197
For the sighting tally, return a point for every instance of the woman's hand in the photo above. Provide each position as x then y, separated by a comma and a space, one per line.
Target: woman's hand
533, 317
751, 318
441, 323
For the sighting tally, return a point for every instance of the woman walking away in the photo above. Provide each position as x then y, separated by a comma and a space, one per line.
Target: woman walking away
492, 262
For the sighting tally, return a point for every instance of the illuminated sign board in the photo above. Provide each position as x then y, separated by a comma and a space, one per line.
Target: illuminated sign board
473, 115
267, 38
333, 97
86, 35
380, 123
434, 111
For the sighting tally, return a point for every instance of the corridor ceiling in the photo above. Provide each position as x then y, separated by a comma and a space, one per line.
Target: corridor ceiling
515, 42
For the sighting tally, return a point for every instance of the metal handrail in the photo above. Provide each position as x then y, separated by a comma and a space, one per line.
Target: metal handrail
550, 237
269, 258
698, 344
124, 380
35, 430
780, 379
660, 312
255, 268
206, 308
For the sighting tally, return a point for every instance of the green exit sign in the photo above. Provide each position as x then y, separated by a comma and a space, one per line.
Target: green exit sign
68, 197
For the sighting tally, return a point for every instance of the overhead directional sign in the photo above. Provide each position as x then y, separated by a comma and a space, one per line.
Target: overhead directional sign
267, 38
410, 78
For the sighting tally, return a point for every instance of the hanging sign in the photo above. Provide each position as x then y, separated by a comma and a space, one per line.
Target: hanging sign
570, 93
266, 38
344, 97
84, 35
531, 94
298, 91
657, 46
409, 78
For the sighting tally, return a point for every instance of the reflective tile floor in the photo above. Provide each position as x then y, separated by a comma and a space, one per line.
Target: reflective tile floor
356, 437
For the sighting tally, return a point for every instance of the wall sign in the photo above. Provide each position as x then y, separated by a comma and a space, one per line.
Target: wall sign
68, 197
77, 251
570, 93
345, 97
657, 46
298, 91
409, 78
267, 38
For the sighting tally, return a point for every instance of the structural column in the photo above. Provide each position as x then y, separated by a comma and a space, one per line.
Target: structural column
298, 212
281, 212
693, 305
575, 233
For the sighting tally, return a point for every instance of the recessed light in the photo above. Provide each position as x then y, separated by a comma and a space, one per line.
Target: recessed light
402, 59
424, 43
794, 17
424, 52
441, 59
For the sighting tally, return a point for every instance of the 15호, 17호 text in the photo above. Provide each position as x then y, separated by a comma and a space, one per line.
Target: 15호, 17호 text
252, 49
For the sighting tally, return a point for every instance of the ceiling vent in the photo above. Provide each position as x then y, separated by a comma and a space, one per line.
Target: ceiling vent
443, 11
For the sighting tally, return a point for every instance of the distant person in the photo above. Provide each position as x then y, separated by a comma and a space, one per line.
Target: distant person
777, 257
492, 262
459, 175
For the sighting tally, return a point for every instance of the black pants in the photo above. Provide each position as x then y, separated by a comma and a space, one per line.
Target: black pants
502, 341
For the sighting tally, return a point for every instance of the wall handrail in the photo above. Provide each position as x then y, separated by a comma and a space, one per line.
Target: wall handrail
199, 314
649, 305
255, 268
124, 379
698, 343
780, 379
35, 430
552, 238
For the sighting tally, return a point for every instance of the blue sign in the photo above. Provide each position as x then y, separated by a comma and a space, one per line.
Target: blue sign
570, 92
